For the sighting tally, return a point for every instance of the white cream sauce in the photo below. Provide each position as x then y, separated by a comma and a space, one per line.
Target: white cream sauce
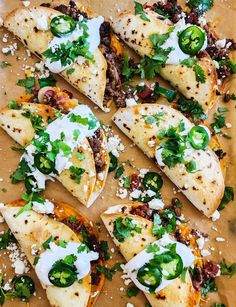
55, 129
132, 267
177, 55
93, 38
48, 258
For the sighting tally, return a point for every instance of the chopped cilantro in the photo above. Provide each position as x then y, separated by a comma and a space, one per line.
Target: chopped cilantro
191, 166
119, 172
6, 238
132, 291
140, 11
29, 199
67, 53
70, 259
47, 242
226, 269
72, 218
160, 228
127, 70
173, 146
191, 108
222, 110
228, 197
21, 172
109, 272
80, 156
219, 305
209, 286
27, 83
36, 260
76, 134
70, 71
156, 118
201, 5
230, 64
18, 148
76, 173
124, 228
219, 123
36, 120
199, 72
78, 119
62, 243
126, 183
4, 64
152, 248
105, 248
49, 81
83, 248
14, 105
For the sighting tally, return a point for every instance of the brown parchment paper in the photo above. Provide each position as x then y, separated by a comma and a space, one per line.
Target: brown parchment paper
224, 16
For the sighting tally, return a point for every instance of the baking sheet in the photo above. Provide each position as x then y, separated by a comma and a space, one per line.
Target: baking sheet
114, 294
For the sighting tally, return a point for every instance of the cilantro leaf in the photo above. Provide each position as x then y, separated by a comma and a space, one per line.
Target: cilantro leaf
191, 108
119, 172
199, 72
36, 120
4, 64
14, 105
191, 166
132, 291
21, 172
219, 123
105, 248
29, 199
27, 83
109, 272
140, 11
201, 5
228, 197
228, 270
156, 118
127, 71
123, 228
70, 71
6, 238
209, 286
76, 173
160, 228
47, 242
49, 81
230, 64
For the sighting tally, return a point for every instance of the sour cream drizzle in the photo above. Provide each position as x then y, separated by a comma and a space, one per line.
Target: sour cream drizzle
61, 125
132, 267
48, 258
177, 55
93, 38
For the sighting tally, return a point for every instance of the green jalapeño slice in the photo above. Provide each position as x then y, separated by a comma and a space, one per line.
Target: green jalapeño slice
171, 265
149, 276
62, 275
43, 163
62, 25
191, 40
31, 184
152, 181
113, 162
198, 137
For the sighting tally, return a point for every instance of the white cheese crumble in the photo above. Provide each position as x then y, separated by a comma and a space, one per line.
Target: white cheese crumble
45, 208
130, 102
122, 193
200, 242
205, 253
26, 3
215, 216
42, 23
156, 204
19, 266
115, 146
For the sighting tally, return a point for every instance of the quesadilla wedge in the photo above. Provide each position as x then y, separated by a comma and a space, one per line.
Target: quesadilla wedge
65, 225
157, 39
82, 177
135, 227
179, 148
41, 28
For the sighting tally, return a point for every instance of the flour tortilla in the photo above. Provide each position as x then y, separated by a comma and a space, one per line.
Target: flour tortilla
21, 130
135, 32
89, 78
178, 293
205, 187
31, 228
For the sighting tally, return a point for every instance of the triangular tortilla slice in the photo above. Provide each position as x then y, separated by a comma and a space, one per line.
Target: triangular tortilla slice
21, 130
178, 293
205, 187
89, 77
33, 229
135, 32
